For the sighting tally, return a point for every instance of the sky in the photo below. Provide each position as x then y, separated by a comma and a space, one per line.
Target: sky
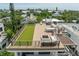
61, 6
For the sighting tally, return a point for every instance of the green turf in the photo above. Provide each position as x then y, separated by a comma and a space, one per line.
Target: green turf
27, 35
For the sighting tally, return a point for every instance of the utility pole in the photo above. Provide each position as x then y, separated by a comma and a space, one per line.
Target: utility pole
12, 14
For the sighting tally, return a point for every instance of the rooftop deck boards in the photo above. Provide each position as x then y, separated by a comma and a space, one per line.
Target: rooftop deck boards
65, 40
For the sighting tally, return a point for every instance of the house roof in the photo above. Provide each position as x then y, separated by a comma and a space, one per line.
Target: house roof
52, 20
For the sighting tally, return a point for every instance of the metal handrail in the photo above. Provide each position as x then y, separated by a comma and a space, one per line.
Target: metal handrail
32, 44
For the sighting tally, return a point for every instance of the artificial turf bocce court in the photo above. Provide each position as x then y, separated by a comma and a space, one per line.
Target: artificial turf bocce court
26, 36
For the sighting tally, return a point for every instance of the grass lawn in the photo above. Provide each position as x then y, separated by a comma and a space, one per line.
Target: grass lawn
5, 53
27, 35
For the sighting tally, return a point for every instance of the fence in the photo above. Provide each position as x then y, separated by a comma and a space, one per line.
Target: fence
36, 44
16, 35
23, 43
27, 43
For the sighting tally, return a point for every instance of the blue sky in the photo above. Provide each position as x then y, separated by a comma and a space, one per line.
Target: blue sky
61, 6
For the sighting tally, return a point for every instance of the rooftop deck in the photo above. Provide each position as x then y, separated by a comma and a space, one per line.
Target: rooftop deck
36, 42
65, 40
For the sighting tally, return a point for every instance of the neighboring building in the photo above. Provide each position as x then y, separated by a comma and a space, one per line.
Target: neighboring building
6, 18
3, 40
25, 11
74, 21
56, 12
50, 11
73, 30
1, 27
25, 20
32, 18
49, 21
28, 19
0, 20
38, 11
23, 15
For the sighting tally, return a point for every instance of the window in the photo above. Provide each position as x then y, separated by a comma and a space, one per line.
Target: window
44, 53
61, 51
27, 53
0, 48
0, 29
4, 45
